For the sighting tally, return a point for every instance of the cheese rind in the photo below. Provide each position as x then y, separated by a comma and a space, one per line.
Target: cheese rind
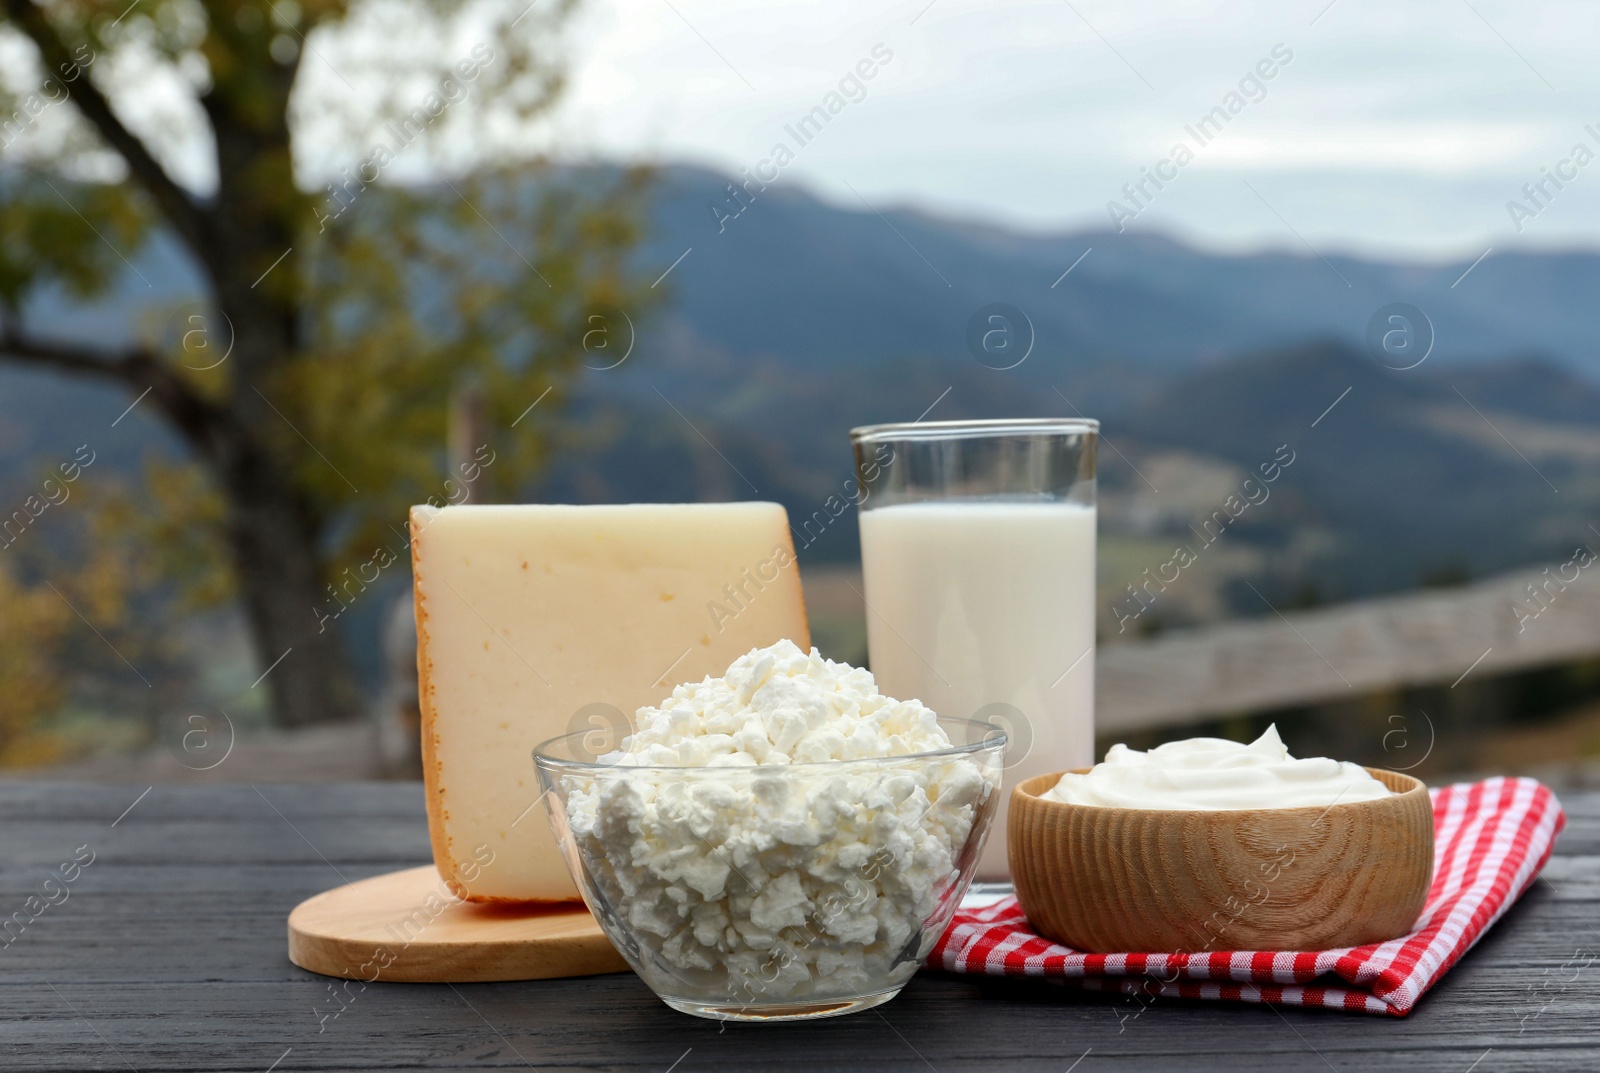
532, 619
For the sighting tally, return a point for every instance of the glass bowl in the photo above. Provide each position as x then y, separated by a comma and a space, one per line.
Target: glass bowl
776, 892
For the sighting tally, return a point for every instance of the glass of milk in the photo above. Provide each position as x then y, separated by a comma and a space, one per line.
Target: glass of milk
978, 556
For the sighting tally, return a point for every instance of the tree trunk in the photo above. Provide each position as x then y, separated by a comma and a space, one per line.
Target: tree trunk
273, 530
273, 542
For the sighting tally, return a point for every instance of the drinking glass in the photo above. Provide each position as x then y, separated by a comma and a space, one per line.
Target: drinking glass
978, 558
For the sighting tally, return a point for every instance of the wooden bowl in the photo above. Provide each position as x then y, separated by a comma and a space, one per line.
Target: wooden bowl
1133, 880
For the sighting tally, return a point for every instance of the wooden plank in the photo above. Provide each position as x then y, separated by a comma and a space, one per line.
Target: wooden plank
104, 803
137, 950
614, 1023
169, 947
1303, 657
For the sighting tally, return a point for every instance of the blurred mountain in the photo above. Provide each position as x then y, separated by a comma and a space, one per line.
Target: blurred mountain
1407, 474
827, 286
795, 319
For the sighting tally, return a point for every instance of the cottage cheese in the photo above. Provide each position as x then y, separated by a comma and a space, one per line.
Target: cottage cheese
752, 860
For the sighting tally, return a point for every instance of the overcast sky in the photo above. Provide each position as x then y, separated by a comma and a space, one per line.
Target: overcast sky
1393, 129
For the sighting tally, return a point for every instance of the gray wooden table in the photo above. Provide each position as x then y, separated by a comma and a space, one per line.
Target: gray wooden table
167, 952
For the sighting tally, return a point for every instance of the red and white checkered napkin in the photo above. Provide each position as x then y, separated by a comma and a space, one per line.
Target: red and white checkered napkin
1491, 838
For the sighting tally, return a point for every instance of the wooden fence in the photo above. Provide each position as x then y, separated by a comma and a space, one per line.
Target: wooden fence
1511, 622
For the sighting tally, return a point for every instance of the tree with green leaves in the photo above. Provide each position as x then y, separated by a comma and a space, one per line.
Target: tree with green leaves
356, 185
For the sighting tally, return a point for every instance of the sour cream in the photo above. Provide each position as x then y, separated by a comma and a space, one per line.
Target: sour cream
1212, 773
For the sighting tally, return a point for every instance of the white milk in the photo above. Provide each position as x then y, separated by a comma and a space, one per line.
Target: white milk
974, 604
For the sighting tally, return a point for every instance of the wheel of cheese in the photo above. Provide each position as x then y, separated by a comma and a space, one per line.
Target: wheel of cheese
540, 620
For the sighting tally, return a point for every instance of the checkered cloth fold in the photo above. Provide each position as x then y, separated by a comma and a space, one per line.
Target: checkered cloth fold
1491, 839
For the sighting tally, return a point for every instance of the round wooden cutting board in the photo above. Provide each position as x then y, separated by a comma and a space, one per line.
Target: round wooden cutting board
406, 927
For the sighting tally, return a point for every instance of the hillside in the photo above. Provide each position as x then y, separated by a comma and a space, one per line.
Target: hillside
1411, 475
800, 319
835, 286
